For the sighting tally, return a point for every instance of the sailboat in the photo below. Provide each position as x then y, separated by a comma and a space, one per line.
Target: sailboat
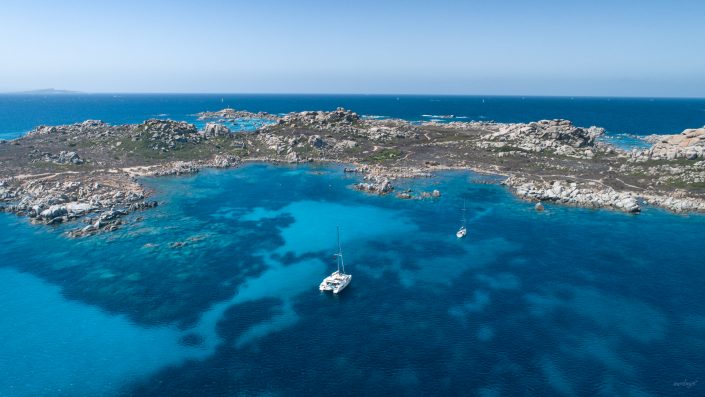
463, 230
338, 280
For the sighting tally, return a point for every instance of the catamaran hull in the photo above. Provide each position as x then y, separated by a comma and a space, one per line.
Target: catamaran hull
336, 282
342, 286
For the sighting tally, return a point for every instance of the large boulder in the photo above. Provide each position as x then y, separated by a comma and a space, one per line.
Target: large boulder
64, 157
689, 144
316, 141
78, 208
54, 211
378, 185
69, 158
215, 129
224, 161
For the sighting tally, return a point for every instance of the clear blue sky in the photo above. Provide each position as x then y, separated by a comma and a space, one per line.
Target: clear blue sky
614, 48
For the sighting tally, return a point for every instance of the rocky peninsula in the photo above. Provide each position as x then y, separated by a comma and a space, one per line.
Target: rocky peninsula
89, 173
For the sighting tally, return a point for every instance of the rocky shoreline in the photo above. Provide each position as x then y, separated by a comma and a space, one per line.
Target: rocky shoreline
591, 195
54, 199
89, 172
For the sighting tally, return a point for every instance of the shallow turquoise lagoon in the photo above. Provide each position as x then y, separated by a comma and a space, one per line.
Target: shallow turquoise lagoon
563, 302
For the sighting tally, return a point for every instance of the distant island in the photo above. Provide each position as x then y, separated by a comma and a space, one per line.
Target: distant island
45, 91
91, 170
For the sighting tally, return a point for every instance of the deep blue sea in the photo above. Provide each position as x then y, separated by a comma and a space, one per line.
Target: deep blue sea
566, 302
636, 116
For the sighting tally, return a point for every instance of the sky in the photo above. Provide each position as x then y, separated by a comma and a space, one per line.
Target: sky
501, 47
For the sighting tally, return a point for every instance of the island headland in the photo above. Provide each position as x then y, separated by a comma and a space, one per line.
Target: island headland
89, 173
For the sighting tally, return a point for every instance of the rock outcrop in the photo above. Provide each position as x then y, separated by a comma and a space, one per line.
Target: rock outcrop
232, 114
375, 186
167, 133
386, 131
689, 144
212, 130
558, 135
225, 161
88, 128
59, 198
64, 158
186, 167
584, 195
338, 118
299, 147
161, 134
675, 202
53, 201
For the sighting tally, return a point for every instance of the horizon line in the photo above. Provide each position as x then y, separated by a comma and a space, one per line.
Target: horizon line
55, 92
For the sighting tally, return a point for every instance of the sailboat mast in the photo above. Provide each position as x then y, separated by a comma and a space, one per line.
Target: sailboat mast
340, 252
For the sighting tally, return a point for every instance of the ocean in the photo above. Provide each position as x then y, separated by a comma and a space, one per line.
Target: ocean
565, 302
635, 116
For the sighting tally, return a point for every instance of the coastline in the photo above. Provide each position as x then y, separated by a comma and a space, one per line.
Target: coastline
90, 171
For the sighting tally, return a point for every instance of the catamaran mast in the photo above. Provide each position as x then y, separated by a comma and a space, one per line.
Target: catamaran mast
340, 252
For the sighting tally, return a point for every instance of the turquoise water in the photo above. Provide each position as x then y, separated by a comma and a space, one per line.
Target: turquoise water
638, 116
563, 302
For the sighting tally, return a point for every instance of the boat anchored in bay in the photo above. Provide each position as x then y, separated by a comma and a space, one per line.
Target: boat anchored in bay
338, 280
463, 230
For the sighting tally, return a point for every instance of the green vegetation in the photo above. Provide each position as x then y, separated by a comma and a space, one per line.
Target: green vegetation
144, 149
505, 149
383, 155
638, 174
674, 162
681, 184
50, 166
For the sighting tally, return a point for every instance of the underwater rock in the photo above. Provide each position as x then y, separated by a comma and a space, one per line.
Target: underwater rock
192, 339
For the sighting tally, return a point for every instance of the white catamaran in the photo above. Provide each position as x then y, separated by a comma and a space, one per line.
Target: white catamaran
338, 280
463, 230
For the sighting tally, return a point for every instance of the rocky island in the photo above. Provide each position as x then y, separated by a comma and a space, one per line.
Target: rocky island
89, 172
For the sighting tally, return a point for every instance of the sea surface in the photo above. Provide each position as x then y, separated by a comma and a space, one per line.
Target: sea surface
563, 302
621, 117
215, 292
